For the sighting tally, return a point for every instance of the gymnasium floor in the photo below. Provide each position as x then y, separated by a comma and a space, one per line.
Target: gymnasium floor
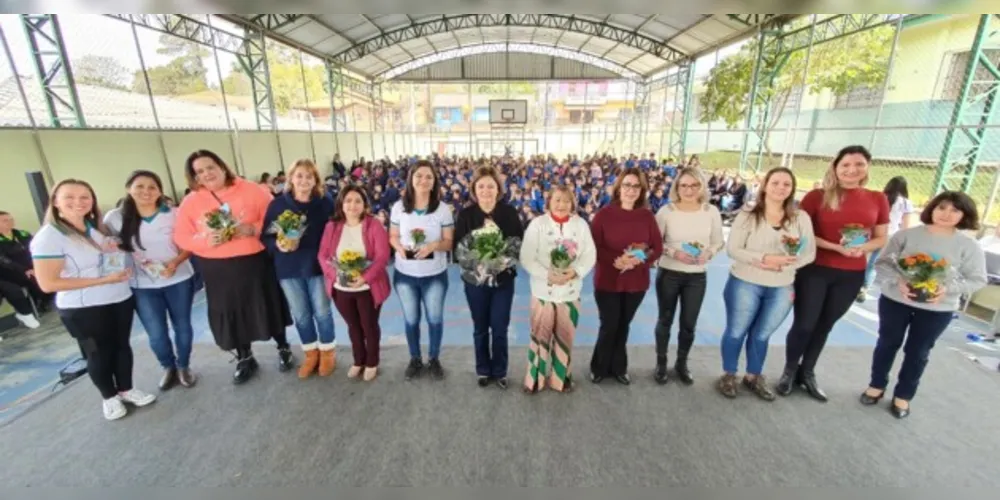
273, 430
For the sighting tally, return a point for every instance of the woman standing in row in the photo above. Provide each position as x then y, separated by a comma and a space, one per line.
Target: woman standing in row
421, 232
692, 235
850, 222
556, 283
220, 222
912, 322
95, 301
162, 277
354, 229
768, 244
628, 242
489, 303
298, 269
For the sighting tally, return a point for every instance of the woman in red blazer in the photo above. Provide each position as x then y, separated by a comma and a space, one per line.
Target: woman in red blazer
359, 299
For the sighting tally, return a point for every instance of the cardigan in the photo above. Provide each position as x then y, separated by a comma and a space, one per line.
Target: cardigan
376, 249
503, 215
540, 239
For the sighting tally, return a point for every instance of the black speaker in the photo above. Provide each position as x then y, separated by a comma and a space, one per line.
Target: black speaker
39, 193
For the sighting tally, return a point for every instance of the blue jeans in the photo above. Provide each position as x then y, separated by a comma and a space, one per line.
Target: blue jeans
753, 313
153, 305
490, 307
920, 329
870, 268
429, 291
310, 308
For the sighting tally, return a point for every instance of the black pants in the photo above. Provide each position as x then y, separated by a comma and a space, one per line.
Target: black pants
103, 334
689, 290
616, 310
15, 295
822, 296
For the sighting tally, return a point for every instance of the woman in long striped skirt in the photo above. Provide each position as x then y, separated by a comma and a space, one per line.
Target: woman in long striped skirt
557, 251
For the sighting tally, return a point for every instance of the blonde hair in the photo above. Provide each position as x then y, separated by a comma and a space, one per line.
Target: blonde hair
832, 192
695, 173
92, 219
482, 173
306, 163
564, 189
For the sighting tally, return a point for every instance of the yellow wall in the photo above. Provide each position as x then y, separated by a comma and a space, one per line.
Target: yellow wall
923, 56
104, 158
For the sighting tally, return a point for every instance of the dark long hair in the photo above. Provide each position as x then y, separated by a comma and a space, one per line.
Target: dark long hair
54, 218
409, 199
758, 212
204, 153
338, 210
131, 220
616, 192
895, 188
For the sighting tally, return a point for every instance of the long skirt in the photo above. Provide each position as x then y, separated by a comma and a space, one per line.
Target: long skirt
553, 326
245, 301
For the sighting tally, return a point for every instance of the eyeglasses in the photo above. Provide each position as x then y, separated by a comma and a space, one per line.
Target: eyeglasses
631, 186
688, 186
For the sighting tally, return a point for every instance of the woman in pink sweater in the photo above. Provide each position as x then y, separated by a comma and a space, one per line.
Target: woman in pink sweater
359, 299
221, 221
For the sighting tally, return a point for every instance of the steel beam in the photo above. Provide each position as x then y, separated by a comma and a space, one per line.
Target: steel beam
52, 67
253, 60
640, 117
681, 82
274, 21
751, 20
187, 28
447, 23
973, 113
837, 26
768, 63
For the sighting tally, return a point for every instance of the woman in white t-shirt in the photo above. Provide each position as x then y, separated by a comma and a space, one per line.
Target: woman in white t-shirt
161, 274
900, 210
76, 258
421, 232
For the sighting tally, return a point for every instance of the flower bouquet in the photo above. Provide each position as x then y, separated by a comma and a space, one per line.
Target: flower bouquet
153, 268
923, 273
693, 248
792, 245
350, 264
853, 236
637, 250
485, 253
563, 255
289, 227
221, 222
418, 237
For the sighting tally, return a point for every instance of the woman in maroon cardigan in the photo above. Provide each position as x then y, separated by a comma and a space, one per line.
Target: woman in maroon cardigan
628, 241
359, 300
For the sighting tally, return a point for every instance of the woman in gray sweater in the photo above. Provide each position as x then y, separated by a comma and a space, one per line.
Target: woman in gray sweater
919, 316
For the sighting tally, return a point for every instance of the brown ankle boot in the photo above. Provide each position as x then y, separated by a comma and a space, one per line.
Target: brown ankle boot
309, 364
327, 362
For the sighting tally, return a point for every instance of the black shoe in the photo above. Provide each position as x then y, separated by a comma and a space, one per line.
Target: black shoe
898, 412
502, 382
786, 383
245, 368
168, 379
285, 359
483, 381
414, 369
623, 379
596, 379
683, 373
660, 375
870, 400
812, 388
435, 369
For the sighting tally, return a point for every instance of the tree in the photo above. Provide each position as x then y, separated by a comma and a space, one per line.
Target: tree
184, 74
102, 71
286, 80
840, 66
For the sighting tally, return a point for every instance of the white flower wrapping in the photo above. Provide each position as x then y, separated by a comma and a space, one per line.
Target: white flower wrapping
501, 254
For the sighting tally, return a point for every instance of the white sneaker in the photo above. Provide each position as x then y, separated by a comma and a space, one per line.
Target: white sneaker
136, 397
28, 320
114, 409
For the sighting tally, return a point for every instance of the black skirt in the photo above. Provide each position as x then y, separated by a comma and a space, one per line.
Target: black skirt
245, 301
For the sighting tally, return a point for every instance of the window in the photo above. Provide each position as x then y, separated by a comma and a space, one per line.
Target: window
859, 97
959, 62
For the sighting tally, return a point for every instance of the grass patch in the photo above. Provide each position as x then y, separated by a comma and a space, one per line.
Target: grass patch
919, 177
